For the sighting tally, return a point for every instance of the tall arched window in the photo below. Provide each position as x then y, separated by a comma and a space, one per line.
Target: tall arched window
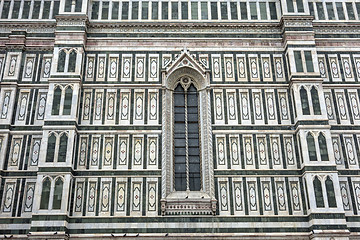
56, 101
50, 153
323, 148
311, 147
315, 101
72, 61
61, 61
304, 101
62, 148
186, 137
330, 192
57, 194
67, 101
45, 194
319, 198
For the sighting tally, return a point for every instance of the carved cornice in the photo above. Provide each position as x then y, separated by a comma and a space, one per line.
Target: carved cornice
183, 27
336, 28
169, 24
78, 20
304, 22
29, 26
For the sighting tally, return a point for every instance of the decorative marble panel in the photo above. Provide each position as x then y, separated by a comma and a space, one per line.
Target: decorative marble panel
341, 105
95, 151
152, 151
258, 108
334, 66
345, 196
357, 65
245, 109
279, 67
41, 106
90, 66
219, 107
105, 196
248, 151
5, 105
267, 195
153, 107
337, 150
347, 68
101, 66
110, 106
229, 68
354, 103
221, 151
120, 197
234, 151
140, 67
270, 105
357, 194
252, 195
125, 106
46, 67
138, 148
153, 67
29, 68
15, 152
289, 150
281, 195
98, 105
295, 195
350, 150
284, 108
123, 150
126, 68
23, 103
216, 68
223, 196
91, 206
139, 107
275, 151
79, 194
29, 196
231, 107
108, 151
113, 67
266, 68
35, 152
152, 196
241, 67
166, 60
136, 200
329, 105
238, 195
12, 65
322, 67
83, 148
8, 199
262, 151
254, 68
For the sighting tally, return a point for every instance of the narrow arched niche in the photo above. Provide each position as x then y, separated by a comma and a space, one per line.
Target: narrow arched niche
187, 202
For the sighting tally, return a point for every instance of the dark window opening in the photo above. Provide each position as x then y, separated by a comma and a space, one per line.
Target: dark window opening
186, 139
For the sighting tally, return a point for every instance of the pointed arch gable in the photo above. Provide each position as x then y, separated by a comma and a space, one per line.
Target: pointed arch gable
185, 65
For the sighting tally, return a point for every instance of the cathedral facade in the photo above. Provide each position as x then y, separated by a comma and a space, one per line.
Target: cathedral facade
180, 119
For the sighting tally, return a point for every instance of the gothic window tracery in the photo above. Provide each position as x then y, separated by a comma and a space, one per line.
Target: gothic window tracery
186, 137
